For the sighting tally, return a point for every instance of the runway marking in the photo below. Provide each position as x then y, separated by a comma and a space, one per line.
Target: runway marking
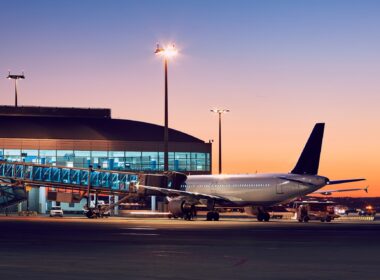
140, 228
139, 234
164, 253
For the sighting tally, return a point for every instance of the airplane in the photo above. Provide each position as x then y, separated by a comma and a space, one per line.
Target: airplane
256, 191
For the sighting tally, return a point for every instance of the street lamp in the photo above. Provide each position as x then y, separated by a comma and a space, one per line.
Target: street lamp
166, 53
220, 112
15, 77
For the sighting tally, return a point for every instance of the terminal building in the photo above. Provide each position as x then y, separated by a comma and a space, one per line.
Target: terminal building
80, 137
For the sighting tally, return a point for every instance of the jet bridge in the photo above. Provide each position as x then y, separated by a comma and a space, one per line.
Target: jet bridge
15, 176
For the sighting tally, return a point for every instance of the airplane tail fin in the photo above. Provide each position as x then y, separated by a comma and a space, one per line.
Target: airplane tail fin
308, 162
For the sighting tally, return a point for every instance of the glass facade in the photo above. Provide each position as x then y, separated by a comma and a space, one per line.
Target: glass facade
113, 160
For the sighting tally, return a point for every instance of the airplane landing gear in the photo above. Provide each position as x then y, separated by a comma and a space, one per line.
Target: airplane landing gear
212, 216
304, 219
190, 215
262, 215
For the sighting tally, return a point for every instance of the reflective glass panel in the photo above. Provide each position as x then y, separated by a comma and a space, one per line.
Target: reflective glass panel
99, 154
48, 157
50, 153
12, 152
29, 152
133, 160
82, 153
30, 156
116, 154
12, 155
150, 160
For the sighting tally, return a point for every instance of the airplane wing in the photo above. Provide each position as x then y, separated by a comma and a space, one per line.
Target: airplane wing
194, 195
329, 192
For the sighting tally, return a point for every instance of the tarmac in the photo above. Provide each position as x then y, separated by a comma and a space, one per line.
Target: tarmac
157, 248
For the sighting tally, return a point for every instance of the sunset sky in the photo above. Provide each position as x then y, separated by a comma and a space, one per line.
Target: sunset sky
279, 66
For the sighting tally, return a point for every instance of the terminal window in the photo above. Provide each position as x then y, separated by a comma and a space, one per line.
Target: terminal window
114, 160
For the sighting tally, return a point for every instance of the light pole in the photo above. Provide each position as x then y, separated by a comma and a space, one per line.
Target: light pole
16, 77
166, 53
220, 112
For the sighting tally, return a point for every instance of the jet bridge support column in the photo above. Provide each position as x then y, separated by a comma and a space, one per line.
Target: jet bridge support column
42, 200
116, 208
89, 187
153, 200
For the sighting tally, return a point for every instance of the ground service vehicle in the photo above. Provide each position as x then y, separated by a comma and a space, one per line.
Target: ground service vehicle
367, 211
314, 210
56, 211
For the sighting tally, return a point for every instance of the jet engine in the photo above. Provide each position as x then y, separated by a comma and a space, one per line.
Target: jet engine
181, 208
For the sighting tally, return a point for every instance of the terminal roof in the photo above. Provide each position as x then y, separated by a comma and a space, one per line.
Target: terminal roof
81, 128
62, 112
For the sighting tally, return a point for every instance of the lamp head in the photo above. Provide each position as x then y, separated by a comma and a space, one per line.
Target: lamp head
220, 111
158, 49
167, 52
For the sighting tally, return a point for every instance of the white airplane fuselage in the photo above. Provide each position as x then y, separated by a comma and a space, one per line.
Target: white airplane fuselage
255, 189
